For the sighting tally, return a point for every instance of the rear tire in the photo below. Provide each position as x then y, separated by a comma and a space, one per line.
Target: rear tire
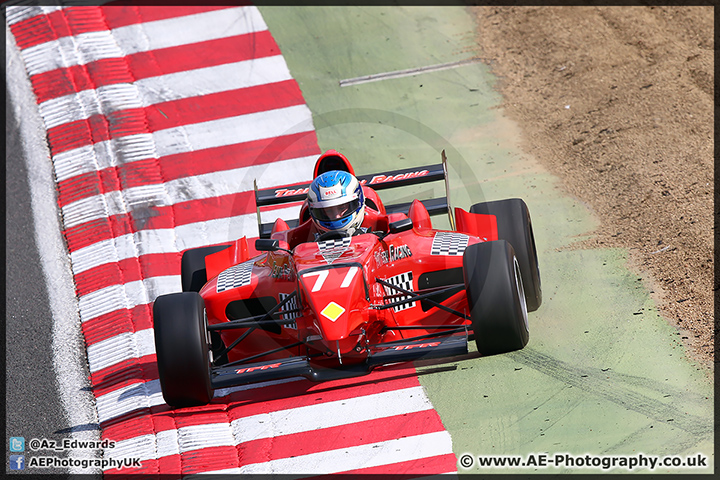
496, 297
193, 273
515, 226
182, 348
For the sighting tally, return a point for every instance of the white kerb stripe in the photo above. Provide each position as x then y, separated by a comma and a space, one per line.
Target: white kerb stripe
18, 13
233, 130
283, 422
146, 447
86, 103
331, 414
70, 51
127, 295
142, 242
191, 235
164, 88
132, 294
199, 27
129, 399
227, 229
187, 138
121, 347
357, 457
93, 46
213, 79
197, 187
143, 448
166, 443
196, 437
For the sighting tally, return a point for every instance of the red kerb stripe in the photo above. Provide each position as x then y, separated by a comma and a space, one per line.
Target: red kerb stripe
120, 14
127, 270
188, 111
66, 81
72, 21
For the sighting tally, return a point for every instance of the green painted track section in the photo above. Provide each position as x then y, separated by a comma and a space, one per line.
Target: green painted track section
603, 373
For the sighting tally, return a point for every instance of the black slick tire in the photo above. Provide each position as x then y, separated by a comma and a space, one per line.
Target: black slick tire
182, 348
496, 297
515, 226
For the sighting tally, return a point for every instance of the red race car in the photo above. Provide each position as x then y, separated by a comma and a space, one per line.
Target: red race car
333, 306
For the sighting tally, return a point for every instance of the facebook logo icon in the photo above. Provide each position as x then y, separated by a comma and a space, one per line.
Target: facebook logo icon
17, 462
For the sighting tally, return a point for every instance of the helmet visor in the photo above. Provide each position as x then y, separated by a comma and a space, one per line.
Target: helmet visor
336, 212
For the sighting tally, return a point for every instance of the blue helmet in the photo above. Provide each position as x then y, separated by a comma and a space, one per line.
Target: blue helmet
336, 202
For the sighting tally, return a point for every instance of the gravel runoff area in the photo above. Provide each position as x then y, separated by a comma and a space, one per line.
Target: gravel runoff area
618, 103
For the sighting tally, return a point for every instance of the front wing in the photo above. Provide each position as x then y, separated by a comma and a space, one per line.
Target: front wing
382, 354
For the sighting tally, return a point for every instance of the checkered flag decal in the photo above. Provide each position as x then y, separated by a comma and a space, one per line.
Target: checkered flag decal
332, 249
404, 281
237, 276
449, 243
292, 304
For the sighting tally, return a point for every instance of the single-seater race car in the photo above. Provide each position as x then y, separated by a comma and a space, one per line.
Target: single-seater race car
333, 306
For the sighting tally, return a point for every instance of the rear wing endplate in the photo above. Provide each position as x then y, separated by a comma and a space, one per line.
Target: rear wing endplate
377, 181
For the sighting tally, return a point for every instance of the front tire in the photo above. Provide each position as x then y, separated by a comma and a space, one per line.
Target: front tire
496, 297
515, 226
182, 348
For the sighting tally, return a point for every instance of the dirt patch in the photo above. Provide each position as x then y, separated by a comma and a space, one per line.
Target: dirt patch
618, 103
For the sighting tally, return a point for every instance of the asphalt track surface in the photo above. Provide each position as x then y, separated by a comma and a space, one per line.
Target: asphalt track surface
45, 368
32, 408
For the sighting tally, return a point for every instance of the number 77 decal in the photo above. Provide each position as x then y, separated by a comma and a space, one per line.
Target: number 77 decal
323, 274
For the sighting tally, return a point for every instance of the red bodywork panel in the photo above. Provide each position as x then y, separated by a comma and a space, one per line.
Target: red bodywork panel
481, 226
238, 252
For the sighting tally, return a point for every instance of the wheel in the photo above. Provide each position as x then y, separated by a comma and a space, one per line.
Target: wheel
514, 225
494, 286
182, 345
193, 273
193, 276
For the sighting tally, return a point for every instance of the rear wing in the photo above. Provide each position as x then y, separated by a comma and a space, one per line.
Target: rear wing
377, 181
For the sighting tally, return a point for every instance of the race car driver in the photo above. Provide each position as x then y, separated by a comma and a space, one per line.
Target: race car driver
336, 203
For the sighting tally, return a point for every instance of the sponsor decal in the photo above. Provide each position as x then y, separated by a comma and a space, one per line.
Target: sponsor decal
239, 275
332, 192
332, 311
421, 345
260, 367
449, 243
394, 178
394, 252
381, 257
331, 250
399, 252
376, 179
286, 192
291, 305
404, 281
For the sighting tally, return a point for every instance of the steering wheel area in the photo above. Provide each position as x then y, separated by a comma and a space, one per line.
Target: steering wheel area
331, 235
